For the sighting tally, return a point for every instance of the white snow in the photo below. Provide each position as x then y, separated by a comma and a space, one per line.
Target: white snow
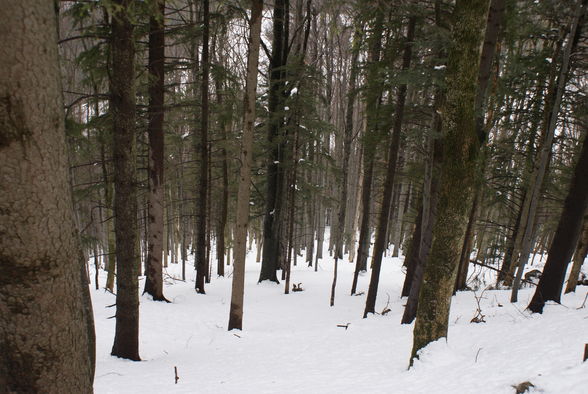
291, 343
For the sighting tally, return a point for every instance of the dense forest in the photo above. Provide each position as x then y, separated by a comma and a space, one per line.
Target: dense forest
141, 136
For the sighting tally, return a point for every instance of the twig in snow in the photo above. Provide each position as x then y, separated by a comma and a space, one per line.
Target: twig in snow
237, 335
477, 354
500, 271
479, 318
168, 276
518, 310
176, 374
584, 303
386, 309
346, 326
109, 373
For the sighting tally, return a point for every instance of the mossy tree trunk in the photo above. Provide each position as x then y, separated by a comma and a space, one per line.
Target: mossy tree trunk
461, 148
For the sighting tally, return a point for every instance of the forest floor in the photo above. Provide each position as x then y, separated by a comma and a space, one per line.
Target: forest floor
294, 343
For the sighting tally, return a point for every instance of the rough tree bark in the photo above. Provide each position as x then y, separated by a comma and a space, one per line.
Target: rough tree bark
237, 291
122, 86
461, 148
46, 328
493, 28
274, 197
153, 265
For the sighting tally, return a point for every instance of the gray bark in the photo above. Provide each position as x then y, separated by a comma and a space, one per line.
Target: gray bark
46, 331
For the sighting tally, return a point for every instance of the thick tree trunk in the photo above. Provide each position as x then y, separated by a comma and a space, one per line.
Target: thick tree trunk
493, 28
566, 236
153, 266
275, 170
237, 292
461, 147
122, 85
46, 326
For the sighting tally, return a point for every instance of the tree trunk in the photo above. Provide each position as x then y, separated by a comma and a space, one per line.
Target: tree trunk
275, 171
237, 291
110, 264
224, 204
461, 147
201, 217
46, 325
122, 85
154, 278
567, 234
579, 256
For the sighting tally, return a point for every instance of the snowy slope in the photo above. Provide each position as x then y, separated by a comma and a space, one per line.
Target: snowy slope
291, 343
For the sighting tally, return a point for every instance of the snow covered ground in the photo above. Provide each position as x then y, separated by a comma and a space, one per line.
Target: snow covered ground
291, 343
